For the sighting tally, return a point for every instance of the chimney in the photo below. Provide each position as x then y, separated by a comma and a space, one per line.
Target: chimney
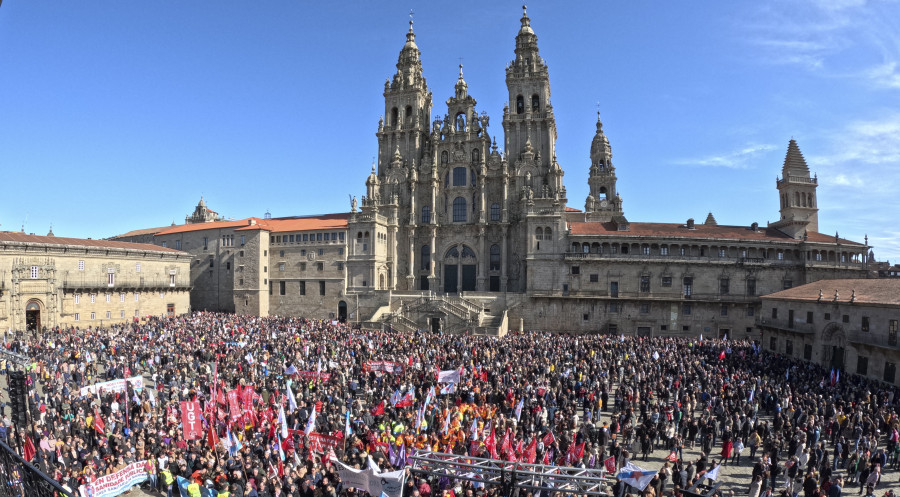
754, 226
690, 223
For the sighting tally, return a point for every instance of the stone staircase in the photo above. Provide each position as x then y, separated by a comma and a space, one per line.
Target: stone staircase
457, 314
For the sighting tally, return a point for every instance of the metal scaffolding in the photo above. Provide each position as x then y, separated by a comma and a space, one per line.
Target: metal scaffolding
493, 472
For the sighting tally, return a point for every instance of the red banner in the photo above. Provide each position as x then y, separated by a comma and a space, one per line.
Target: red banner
190, 420
233, 404
384, 366
321, 443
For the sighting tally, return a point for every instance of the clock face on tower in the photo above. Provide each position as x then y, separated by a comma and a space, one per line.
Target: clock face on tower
604, 203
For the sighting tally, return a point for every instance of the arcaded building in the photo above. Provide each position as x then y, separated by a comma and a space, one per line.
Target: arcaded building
50, 281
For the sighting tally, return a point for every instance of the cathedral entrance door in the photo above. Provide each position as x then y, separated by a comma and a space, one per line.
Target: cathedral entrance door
837, 357
451, 281
468, 278
342, 311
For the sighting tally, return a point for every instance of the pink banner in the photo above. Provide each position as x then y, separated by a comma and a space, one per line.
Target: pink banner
385, 366
312, 375
321, 443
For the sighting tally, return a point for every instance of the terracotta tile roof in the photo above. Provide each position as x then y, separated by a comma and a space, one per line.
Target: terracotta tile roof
572, 209
145, 231
885, 291
15, 237
307, 223
700, 231
185, 228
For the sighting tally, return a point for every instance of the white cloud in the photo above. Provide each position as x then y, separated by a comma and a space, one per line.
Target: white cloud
739, 159
886, 75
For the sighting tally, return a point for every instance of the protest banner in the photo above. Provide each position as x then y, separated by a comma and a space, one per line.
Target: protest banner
384, 366
312, 375
116, 483
321, 443
233, 406
190, 420
113, 386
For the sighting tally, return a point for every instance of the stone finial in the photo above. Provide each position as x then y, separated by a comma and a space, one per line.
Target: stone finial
836, 296
820, 295
852, 296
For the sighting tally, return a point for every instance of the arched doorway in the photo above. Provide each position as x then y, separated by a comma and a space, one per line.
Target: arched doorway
460, 272
342, 311
33, 316
835, 341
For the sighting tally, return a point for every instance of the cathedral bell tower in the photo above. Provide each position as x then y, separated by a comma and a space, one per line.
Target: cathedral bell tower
603, 203
528, 120
797, 192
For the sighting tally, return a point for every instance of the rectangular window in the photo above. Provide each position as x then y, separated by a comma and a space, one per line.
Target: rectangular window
77, 298
281, 287
137, 313
302, 288
807, 351
122, 314
81, 265
585, 316
645, 250
862, 365
281, 253
137, 296
645, 308
686, 309
809, 316
788, 284
865, 323
340, 266
890, 372
685, 327
724, 310
291, 238
271, 288
334, 237
341, 236
594, 278
137, 267
93, 298
664, 250
93, 316
773, 343
177, 244
613, 329
645, 283
845, 318
77, 317
321, 288
320, 266
613, 307
171, 280
303, 266
306, 237
724, 285
892, 332
318, 237
243, 240
613, 288
721, 252
790, 318
751, 287
205, 243
34, 272
108, 298
576, 269
341, 251
667, 281
281, 266
663, 327
789, 347
321, 252
108, 314
165, 244
827, 316
774, 313
780, 256
110, 278
240, 281
688, 285
751, 311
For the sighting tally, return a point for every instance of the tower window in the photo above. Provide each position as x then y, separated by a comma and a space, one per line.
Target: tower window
426, 214
426, 258
459, 208
409, 113
495, 212
495, 258
520, 104
394, 116
459, 176
535, 103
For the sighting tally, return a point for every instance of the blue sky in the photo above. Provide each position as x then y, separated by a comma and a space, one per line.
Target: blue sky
119, 115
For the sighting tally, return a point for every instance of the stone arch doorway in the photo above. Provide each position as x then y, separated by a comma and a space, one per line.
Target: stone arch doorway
834, 342
460, 269
342, 311
33, 315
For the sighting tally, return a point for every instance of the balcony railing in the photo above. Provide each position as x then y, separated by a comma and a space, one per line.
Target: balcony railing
783, 325
142, 283
873, 338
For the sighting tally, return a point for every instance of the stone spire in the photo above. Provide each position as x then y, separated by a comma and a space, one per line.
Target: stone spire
526, 40
603, 199
461, 86
794, 163
601, 152
409, 64
797, 193
710, 220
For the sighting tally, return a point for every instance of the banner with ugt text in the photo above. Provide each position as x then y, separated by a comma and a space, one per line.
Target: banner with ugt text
116, 483
190, 420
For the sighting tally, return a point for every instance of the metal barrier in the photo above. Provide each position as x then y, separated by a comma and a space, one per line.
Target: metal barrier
20, 479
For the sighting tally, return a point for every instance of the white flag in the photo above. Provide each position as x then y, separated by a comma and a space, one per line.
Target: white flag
292, 401
451, 376
311, 424
282, 420
713, 474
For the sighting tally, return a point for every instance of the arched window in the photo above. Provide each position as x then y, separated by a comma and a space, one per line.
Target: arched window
585, 248
394, 116
495, 258
797, 199
409, 113
468, 252
445, 157
453, 253
803, 199
459, 176
366, 235
535, 103
472, 175
459, 209
426, 214
476, 156
603, 192
359, 234
547, 233
495, 212
520, 104
539, 234
809, 200
426, 257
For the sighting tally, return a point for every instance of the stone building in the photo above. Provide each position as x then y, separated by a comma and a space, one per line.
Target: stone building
48, 281
264, 266
444, 212
847, 325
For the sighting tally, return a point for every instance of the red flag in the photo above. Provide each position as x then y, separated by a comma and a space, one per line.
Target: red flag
506, 446
546, 457
610, 465
548, 439
190, 420
672, 457
212, 437
99, 425
531, 452
484, 376
722, 355
379, 409
29, 450
491, 444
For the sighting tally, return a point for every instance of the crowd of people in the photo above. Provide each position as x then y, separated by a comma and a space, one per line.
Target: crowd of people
573, 400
